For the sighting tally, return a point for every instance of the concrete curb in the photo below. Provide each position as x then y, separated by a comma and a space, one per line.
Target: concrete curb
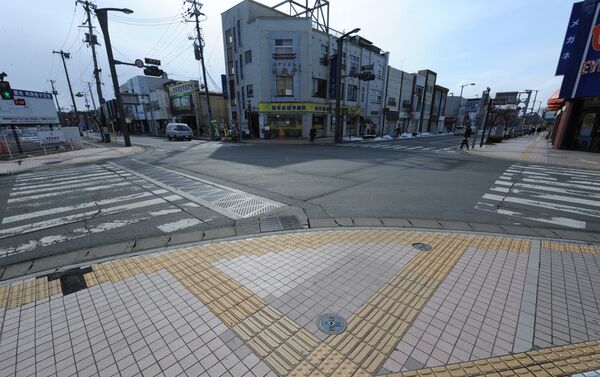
250, 228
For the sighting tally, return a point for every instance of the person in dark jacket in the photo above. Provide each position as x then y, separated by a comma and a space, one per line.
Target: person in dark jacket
467, 135
312, 134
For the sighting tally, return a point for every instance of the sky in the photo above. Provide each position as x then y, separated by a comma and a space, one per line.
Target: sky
508, 45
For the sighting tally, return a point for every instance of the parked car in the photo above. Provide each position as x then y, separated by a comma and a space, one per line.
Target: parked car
179, 131
459, 130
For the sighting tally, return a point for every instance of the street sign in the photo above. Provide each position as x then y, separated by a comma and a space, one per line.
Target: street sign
20, 102
152, 61
5, 91
506, 98
139, 63
153, 71
51, 138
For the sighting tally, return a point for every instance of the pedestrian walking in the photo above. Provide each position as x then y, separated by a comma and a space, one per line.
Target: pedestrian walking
397, 132
312, 134
467, 136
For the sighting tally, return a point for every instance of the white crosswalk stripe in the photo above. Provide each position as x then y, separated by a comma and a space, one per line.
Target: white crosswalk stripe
551, 195
395, 145
101, 199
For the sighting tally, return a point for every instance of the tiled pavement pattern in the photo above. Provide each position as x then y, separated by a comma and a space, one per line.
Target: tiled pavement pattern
175, 311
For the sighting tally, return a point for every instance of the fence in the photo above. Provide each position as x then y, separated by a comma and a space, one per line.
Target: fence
30, 141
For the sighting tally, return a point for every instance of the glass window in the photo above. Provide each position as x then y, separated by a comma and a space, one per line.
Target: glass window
284, 86
248, 56
362, 94
376, 96
354, 62
319, 88
352, 93
324, 51
250, 91
284, 46
380, 70
228, 36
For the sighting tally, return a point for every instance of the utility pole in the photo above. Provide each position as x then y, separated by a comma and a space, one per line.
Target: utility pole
195, 11
55, 94
92, 96
528, 91
66, 55
92, 42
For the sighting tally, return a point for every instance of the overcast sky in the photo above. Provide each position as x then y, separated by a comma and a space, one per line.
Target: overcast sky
506, 45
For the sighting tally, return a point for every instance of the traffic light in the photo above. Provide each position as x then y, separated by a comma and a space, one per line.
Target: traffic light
5, 91
153, 71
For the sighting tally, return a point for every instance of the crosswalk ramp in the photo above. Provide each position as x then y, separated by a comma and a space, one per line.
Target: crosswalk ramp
52, 207
396, 146
547, 195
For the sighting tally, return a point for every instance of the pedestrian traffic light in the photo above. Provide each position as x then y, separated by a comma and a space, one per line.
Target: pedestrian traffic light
5, 91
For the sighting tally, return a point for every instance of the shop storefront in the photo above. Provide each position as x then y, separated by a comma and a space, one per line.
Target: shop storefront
295, 119
584, 135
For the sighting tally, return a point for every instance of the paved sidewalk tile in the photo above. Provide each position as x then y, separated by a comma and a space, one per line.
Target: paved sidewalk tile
468, 305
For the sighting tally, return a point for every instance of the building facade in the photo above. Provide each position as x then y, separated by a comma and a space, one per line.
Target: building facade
279, 75
144, 101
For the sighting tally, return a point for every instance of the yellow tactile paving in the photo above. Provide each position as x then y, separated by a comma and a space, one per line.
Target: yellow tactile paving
571, 247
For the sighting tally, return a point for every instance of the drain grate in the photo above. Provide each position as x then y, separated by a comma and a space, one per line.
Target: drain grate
71, 281
331, 323
421, 246
273, 224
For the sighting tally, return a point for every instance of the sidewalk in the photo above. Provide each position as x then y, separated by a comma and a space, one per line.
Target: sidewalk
66, 158
538, 149
413, 303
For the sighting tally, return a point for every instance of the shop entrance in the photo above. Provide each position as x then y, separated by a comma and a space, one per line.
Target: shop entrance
587, 137
318, 122
253, 125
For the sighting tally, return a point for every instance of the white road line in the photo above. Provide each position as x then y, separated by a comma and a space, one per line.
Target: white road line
559, 190
53, 211
554, 169
58, 179
161, 191
585, 182
49, 173
413, 148
64, 182
57, 175
428, 149
64, 192
69, 186
505, 177
172, 198
178, 225
500, 189
562, 184
541, 204
503, 183
41, 225
560, 198
562, 221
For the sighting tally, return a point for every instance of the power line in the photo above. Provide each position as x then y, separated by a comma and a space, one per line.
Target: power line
70, 27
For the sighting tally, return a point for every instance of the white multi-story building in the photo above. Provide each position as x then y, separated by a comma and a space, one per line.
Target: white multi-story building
146, 103
280, 80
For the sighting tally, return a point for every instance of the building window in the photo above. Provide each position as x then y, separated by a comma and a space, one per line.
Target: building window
240, 61
284, 46
319, 88
352, 92
248, 56
343, 91
376, 96
354, 62
380, 70
249, 91
362, 94
284, 86
228, 37
239, 32
234, 40
391, 101
324, 52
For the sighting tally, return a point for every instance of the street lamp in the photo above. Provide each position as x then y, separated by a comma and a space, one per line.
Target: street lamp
102, 14
459, 102
338, 84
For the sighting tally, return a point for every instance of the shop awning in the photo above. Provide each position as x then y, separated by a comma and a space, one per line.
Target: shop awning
554, 102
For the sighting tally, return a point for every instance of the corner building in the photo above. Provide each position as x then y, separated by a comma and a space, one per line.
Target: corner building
280, 77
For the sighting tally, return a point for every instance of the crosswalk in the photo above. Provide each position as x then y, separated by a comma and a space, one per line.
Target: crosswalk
549, 195
394, 145
51, 207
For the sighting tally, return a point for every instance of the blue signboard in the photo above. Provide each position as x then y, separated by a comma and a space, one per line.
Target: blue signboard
224, 86
567, 54
572, 60
588, 84
332, 76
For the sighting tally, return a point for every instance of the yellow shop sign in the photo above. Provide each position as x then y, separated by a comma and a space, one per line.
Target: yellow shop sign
303, 107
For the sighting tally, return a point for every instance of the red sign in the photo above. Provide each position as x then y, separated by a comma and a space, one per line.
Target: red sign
20, 101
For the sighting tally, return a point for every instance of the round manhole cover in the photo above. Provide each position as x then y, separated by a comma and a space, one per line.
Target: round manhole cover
422, 246
331, 323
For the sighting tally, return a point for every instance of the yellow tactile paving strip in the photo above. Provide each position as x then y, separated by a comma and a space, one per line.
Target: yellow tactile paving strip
570, 247
555, 361
372, 332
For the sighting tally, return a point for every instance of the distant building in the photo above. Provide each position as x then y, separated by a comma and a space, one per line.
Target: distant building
453, 115
145, 100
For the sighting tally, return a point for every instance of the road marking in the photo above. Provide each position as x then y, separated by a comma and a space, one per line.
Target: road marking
178, 225
562, 221
562, 184
53, 211
59, 193
62, 174
41, 225
555, 169
51, 181
413, 148
541, 204
61, 187
63, 183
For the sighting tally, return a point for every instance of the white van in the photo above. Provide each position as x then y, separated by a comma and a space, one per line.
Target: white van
179, 131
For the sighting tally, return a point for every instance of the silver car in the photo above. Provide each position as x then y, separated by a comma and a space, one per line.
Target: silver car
179, 131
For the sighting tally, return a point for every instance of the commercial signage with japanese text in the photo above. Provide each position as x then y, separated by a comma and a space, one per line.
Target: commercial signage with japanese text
29, 107
301, 107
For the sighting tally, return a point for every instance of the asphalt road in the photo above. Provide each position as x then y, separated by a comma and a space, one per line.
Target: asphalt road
179, 186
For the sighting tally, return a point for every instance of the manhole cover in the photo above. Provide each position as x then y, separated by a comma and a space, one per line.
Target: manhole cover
331, 323
421, 246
